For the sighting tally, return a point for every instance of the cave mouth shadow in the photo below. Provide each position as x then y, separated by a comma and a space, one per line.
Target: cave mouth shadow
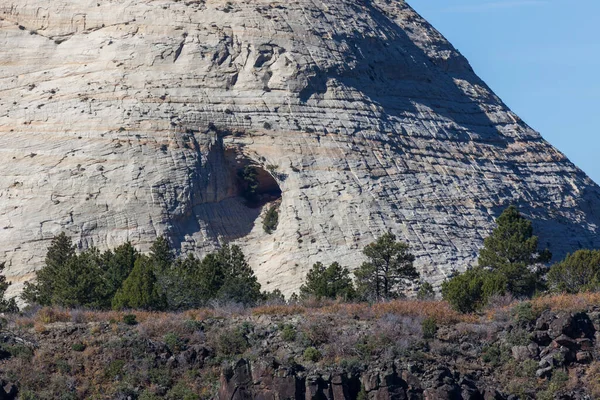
257, 186
229, 193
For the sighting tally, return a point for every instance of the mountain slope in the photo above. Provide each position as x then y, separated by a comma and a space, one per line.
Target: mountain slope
123, 120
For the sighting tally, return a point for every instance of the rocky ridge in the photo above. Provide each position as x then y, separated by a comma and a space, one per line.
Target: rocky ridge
123, 120
346, 353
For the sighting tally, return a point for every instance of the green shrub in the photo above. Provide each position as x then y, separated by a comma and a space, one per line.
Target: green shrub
328, 282
523, 313
18, 350
495, 355
288, 333
312, 354
527, 369
148, 395
362, 395
78, 346
429, 327
161, 376
271, 220
130, 319
181, 392
114, 369
578, 272
557, 382
173, 342
464, 291
232, 342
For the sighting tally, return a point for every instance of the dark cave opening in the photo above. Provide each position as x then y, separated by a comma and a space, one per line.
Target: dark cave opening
257, 186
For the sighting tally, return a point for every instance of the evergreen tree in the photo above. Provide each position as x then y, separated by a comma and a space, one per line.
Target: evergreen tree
80, 282
161, 254
511, 249
388, 267
331, 282
240, 284
578, 272
140, 290
181, 284
512, 242
119, 264
211, 276
426, 292
6, 305
249, 177
274, 297
60, 252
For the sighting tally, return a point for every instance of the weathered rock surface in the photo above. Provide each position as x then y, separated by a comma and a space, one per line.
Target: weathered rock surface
362, 356
123, 120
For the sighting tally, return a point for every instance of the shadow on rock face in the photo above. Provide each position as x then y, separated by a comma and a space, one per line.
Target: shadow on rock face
227, 191
398, 76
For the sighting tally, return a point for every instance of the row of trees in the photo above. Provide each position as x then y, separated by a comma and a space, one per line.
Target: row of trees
386, 273
124, 278
509, 263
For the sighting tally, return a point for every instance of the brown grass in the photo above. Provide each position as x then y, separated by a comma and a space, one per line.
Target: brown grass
440, 311
279, 310
48, 315
566, 302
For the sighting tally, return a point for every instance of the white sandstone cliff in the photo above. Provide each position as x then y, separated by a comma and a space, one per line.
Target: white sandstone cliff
122, 120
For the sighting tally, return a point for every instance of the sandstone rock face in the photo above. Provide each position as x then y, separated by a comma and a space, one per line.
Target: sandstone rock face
123, 120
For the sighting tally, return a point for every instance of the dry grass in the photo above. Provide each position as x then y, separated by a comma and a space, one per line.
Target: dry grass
440, 311
592, 379
279, 310
566, 302
48, 315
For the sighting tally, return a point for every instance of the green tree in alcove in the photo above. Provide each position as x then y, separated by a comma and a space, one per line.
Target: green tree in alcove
249, 177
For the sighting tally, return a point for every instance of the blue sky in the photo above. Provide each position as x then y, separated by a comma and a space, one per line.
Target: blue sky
542, 57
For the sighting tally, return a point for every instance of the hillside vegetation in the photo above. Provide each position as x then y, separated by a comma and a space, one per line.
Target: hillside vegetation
125, 325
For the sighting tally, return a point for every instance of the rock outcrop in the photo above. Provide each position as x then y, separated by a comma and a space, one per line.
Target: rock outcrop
355, 354
123, 120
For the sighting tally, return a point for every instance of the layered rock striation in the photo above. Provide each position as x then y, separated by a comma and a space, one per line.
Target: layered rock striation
124, 120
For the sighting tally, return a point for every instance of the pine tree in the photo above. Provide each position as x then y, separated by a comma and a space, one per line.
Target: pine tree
331, 282
119, 264
426, 292
6, 305
181, 284
388, 267
140, 290
511, 249
210, 277
578, 272
240, 284
161, 254
60, 252
80, 282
